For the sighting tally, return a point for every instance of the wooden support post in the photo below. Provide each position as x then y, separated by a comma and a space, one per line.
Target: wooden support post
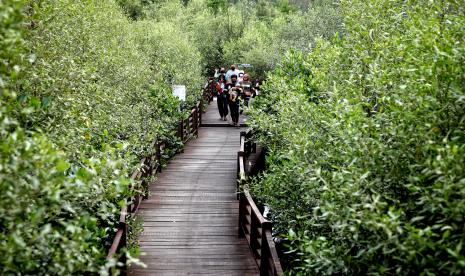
200, 113
265, 252
123, 241
254, 221
185, 127
240, 170
158, 154
123, 244
195, 121
181, 131
242, 206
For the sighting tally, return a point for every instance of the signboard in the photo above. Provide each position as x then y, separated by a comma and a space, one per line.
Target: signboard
245, 65
180, 92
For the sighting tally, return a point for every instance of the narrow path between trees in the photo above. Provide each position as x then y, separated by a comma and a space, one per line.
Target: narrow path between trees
191, 217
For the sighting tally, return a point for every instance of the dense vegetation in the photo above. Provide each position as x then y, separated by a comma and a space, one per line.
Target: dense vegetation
363, 118
366, 143
85, 91
85, 87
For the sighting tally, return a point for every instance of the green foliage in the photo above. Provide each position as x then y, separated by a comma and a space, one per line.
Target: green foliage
50, 208
271, 32
284, 6
366, 144
133, 9
84, 92
85, 89
10, 41
217, 5
254, 32
104, 79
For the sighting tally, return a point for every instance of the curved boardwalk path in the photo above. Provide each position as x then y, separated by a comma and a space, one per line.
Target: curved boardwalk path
191, 217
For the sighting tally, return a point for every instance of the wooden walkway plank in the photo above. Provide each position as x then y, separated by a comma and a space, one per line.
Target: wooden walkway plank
211, 117
191, 216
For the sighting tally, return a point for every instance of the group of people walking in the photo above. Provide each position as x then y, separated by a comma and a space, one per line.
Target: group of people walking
233, 90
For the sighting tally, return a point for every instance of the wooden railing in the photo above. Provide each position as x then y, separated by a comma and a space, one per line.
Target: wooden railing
252, 225
210, 86
187, 129
190, 126
147, 167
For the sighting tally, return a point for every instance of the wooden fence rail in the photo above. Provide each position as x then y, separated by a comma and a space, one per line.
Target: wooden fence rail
252, 225
187, 129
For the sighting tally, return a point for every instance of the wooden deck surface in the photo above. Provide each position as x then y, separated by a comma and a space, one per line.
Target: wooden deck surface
211, 118
191, 217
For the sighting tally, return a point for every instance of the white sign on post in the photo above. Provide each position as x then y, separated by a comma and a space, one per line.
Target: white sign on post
180, 92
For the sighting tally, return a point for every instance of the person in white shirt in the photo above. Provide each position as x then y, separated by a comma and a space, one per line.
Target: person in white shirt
231, 71
240, 76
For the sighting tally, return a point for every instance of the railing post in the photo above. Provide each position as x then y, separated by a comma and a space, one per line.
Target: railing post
265, 254
242, 201
240, 173
195, 121
158, 155
254, 225
187, 129
181, 130
124, 240
260, 235
200, 113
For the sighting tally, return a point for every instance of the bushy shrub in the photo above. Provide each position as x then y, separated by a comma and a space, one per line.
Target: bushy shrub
254, 32
95, 79
55, 218
48, 208
84, 93
366, 144
264, 40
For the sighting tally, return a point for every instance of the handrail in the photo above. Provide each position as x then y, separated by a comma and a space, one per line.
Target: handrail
187, 128
252, 225
241, 171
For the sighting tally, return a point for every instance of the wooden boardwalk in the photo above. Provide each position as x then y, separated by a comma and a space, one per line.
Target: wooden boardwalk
212, 117
191, 217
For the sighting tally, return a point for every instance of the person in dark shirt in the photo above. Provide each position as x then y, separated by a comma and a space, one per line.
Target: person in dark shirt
222, 97
234, 93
